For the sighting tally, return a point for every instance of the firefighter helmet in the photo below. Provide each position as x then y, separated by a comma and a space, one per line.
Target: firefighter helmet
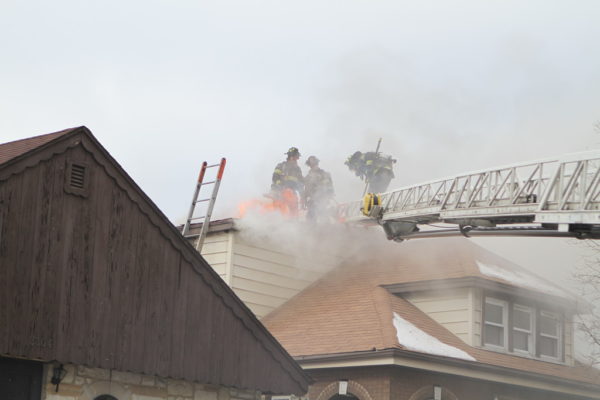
293, 152
354, 158
312, 159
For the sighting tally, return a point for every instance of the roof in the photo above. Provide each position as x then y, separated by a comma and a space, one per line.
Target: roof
11, 150
135, 263
457, 259
349, 310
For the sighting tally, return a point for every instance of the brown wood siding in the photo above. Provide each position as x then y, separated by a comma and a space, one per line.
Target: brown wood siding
93, 281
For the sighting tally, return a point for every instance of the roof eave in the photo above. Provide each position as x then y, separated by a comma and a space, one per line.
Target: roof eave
430, 362
219, 225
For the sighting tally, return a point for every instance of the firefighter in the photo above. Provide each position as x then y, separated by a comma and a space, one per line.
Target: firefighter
287, 182
356, 163
318, 191
374, 168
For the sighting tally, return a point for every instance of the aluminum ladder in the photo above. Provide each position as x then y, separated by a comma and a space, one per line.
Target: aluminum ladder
211, 202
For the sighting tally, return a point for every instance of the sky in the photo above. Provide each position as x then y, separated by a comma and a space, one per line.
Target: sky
449, 86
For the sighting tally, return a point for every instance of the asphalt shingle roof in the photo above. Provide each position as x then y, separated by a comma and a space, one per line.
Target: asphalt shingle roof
11, 150
348, 310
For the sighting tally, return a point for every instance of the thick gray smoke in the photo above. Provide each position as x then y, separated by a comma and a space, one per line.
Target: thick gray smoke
313, 246
436, 123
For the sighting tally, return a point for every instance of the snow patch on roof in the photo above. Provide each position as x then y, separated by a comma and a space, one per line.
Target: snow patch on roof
412, 338
521, 279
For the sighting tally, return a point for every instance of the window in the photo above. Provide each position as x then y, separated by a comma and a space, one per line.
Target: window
522, 329
495, 321
550, 333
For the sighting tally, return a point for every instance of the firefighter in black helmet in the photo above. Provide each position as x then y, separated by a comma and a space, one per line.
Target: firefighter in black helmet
374, 168
318, 191
287, 178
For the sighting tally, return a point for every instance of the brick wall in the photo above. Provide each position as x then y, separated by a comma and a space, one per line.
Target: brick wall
406, 382
374, 380
84, 383
396, 383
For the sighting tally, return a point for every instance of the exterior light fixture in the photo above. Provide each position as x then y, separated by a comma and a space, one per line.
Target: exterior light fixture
343, 387
58, 374
437, 392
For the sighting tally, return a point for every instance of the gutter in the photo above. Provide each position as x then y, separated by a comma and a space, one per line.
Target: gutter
448, 365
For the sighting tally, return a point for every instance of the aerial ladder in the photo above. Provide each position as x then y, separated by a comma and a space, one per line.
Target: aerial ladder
558, 197
210, 201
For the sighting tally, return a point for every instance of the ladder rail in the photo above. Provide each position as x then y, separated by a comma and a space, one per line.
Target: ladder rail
211, 201
211, 204
186, 227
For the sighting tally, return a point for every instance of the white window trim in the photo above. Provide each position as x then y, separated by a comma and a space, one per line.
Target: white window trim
508, 307
504, 305
558, 337
531, 332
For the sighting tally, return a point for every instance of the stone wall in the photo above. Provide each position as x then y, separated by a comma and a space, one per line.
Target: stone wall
84, 383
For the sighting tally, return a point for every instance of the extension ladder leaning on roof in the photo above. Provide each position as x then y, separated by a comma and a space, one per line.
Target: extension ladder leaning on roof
211, 202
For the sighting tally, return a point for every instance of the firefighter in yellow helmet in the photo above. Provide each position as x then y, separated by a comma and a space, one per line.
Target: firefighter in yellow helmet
287, 182
318, 191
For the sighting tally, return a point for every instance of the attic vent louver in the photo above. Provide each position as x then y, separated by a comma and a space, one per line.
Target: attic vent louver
77, 176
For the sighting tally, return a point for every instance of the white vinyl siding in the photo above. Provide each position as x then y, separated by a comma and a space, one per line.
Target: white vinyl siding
450, 309
264, 278
476, 304
216, 252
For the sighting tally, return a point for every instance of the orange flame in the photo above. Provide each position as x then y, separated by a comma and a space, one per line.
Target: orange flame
286, 204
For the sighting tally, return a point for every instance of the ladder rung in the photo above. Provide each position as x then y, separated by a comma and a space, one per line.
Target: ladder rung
195, 218
213, 165
200, 201
207, 183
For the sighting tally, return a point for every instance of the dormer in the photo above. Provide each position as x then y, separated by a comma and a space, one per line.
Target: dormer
501, 310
